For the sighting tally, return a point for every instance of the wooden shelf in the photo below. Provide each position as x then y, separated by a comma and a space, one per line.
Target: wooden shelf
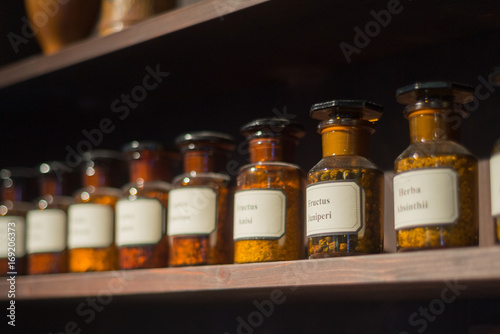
301, 39
376, 277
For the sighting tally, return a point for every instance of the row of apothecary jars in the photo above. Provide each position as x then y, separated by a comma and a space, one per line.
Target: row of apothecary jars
201, 218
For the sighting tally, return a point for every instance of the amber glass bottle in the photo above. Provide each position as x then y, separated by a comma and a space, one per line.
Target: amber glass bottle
199, 224
91, 219
495, 188
16, 190
141, 216
435, 186
47, 224
495, 176
345, 192
268, 203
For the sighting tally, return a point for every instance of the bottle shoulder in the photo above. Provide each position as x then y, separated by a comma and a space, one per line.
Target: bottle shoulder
15, 208
98, 195
345, 162
146, 187
437, 154
270, 168
270, 175
46, 202
194, 179
434, 149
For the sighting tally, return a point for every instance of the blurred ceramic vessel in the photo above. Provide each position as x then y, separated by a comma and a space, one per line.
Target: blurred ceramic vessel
57, 23
117, 15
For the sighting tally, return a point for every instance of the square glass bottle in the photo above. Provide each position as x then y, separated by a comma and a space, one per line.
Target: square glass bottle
199, 221
17, 190
345, 192
91, 223
268, 203
436, 181
141, 215
47, 225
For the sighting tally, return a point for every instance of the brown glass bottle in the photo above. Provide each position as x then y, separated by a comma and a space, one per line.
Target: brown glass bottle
199, 208
495, 189
91, 219
47, 225
141, 216
495, 176
345, 192
436, 181
16, 190
268, 203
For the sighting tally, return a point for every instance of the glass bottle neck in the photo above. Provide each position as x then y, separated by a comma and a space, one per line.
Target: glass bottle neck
272, 149
96, 177
204, 161
13, 194
149, 170
345, 140
50, 186
433, 125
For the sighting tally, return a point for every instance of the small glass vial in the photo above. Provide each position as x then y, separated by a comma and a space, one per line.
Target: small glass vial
199, 224
495, 177
345, 192
91, 219
16, 190
268, 203
436, 181
141, 216
47, 224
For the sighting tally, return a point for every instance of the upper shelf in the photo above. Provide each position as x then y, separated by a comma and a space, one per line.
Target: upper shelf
98, 46
276, 40
474, 271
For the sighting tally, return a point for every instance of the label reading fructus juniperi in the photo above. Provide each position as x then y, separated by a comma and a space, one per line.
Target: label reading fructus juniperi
335, 207
425, 197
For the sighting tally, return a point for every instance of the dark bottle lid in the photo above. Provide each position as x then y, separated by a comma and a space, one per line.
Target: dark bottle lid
432, 90
102, 154
150, 160
62, 179
143, 145
272, 127
104, 168
18, 184
359, 109
206, 138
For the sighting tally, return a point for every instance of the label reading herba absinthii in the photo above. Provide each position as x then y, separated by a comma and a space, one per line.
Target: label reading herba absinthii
259, 214
335, 207
425, 197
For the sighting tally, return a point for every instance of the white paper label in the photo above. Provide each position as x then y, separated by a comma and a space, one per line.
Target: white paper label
495, 184
12, 236
425, 197
335, 207
90, 226
192, 211
259, 214
46, 231
139, 222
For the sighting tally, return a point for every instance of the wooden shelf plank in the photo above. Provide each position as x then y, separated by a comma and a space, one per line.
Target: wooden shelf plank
404, 274
97, 46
